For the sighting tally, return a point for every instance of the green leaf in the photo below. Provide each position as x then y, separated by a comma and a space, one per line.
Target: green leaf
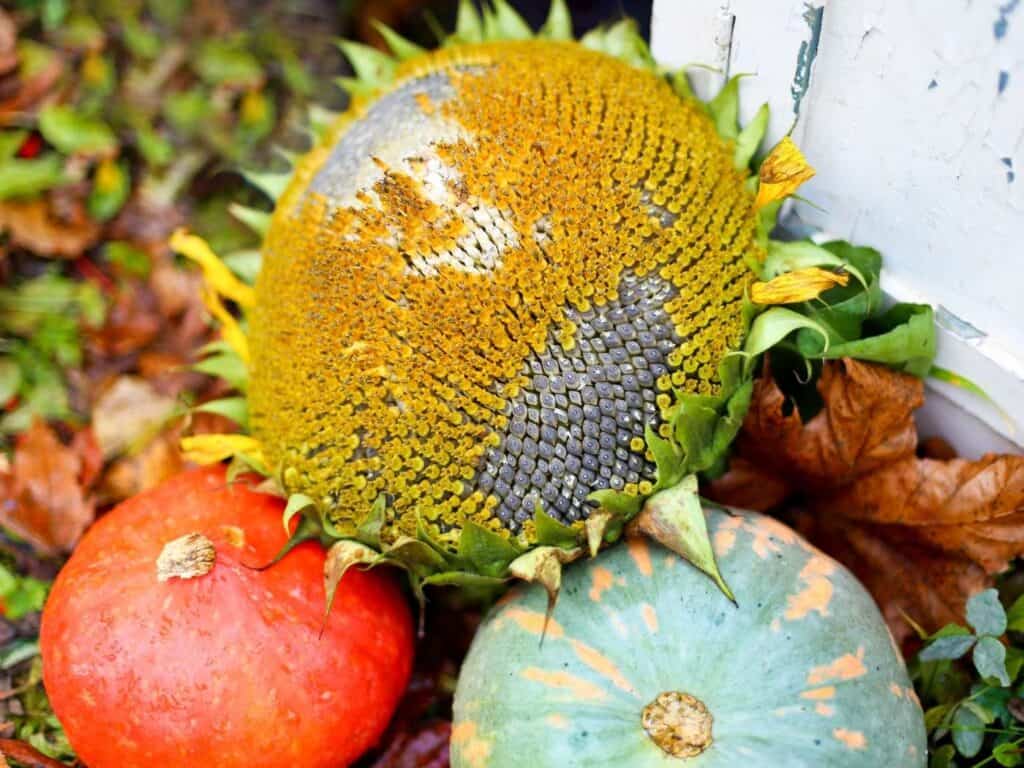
234, 408
10, 379
552, 533
373, 68
229, 63
187, 111
258, 221
18, 651
750, 138
952, 647
1014, 661
110, 189
725, 109
968, 730
488, 552
503, 22
25, 178
1007, 753
369, 529
74, 133
943, 757
904, 337
469, 27
1015, 616
667, 460
402, 49
990, 660
675, 519
559, 22
986, 614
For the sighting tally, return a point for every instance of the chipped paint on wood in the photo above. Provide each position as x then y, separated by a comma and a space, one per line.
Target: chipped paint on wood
577, 687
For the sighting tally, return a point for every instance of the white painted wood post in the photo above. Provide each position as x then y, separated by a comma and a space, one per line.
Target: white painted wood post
913, 114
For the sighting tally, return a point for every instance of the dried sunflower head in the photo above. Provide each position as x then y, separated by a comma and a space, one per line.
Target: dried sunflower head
499, 299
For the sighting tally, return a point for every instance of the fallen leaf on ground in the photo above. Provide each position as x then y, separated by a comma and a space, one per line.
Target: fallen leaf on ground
33, 225
26, 755
43, 497
143, 470
127, 413
8, 43
922, 534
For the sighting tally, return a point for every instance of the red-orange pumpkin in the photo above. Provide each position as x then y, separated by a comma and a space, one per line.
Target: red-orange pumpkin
226, 669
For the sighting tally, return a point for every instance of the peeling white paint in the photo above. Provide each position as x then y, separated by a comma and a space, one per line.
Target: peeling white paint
914, 119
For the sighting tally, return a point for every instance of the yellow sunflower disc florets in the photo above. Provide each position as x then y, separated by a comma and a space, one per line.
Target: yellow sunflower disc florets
485, 282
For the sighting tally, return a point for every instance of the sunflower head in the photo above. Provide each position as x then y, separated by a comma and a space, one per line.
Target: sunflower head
487, 281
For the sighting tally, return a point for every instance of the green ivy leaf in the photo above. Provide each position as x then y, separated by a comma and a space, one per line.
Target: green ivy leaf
990, 660
986, 614
1008, 753
943, 757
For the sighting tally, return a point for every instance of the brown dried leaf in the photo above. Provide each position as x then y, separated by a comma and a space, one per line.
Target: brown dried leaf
146, 469
8, 43
26, 755
128, 412
36, 226
923, 534
45, 501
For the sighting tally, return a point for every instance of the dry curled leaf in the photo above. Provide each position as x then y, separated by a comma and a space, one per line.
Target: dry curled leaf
27, 756
44, 492
36, 226
128, 412
922, 534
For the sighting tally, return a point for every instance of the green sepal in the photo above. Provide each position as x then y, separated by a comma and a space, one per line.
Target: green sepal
675, 519
416, 556
623, 41
245, 264
369, 529
424, 535
256, 220
222, 362
465, 580
307, 530
617, 502
681, 85
487, 552
705, 427
401, 47
503, 22
750, 138
775, 324
558, 25
552, 533
767, 219
903, 337
724, 109
320, 119
469, 27
373, 68
270, 184
296, 503
234, 408
668, 459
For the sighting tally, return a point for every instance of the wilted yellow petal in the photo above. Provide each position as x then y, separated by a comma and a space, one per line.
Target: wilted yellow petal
230, 330
799, 285
216, 274
209, 449
782, 173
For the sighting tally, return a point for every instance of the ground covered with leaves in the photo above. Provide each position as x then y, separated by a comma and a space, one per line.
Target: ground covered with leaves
121, 121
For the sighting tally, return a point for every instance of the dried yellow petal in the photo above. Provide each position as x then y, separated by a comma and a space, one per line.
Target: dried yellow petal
217, 275
230, 330
799, 285
782, 173
209, 449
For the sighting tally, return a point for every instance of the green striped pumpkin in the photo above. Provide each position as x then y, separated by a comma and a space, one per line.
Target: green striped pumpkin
646, 663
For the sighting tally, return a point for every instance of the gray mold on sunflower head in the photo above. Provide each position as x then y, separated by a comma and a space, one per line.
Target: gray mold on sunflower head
510, 306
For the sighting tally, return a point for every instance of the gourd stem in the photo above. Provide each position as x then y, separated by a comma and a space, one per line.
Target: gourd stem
680, 724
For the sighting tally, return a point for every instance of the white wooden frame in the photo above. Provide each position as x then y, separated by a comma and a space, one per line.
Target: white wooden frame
913, 114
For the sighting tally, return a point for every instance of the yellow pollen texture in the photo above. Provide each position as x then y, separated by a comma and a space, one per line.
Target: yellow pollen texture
394, 324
